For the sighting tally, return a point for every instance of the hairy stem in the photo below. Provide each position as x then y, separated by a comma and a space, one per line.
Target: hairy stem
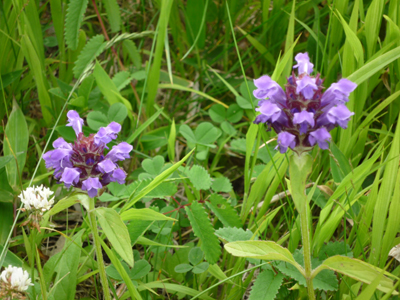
99, 253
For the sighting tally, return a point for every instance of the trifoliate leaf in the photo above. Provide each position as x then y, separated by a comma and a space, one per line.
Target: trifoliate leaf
224, 211
266, 286
199, 177
154, 165
196, 255
221, 184
204, 230
201, 268
217, 113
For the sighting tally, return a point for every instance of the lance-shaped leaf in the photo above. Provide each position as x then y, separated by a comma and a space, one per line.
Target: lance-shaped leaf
358, 270
265, 250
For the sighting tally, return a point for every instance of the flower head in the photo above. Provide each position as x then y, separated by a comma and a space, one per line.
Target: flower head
303, 114
14, 281
84, 164
37, 198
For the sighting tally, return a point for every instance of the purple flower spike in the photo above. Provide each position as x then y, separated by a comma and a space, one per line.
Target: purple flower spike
320, 136
91, 185
119, 152
307, 87
119, 176
339, 115
285, 140
107, 134
84, 164
303, 63
70, 176
267, 88
75, 121
305, 119
106, 166
338, 93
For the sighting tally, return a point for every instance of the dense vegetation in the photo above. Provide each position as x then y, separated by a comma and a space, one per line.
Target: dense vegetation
178, 78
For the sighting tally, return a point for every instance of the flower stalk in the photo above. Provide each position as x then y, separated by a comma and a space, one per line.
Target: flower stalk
99, 253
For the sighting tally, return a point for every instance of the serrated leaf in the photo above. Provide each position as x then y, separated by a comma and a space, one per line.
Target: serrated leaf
183, 268
204, 230
92, 49
96, 119
113, 14
76, 10
199, 177
323, 281
233, 234
224, 211
201, 268
334, 248
116, 232
221, 184
117, 113
266, 286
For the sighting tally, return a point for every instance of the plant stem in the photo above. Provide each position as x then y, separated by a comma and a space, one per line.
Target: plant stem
99, 253
299, 169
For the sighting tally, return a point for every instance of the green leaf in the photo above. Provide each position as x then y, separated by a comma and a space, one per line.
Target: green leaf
5, 160
334, 248
9, 78
234, 113
196, 256
144, 214
224, 211
228, 128
187, 133
221, 184
92, 49
154, 165
65, 265
137, 228
233, 234
217, 113
206, 133
199, 177
265, 250
141, 268
18, 137
113, 14
6, 220
339, 164
133, 53
299, 169
96, 119
325, 280
357, 270
63, 204
183, 268
116, 231
75, 12
204, 230
117, 113
163, 190
201, 268
266, 286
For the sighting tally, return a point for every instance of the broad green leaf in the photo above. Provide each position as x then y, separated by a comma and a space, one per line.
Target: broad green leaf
196, 256
266, 286
65, 265
357, 270
201, 268
265, 250
9, 78
63, 204
187, 133
144, 214
217, 113
154, 165
334, 248
233, 234
116, 232
183, 268
6, 220
17, 137
92, 49
96, 119
228, 128
204, 230
75, 12
206, 133
199, 177
224, 211
234, 113
5, 160
221, 184
117, 113
113, 14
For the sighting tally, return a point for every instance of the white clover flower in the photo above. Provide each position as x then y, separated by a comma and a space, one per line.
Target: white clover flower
16, 278
37, 198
